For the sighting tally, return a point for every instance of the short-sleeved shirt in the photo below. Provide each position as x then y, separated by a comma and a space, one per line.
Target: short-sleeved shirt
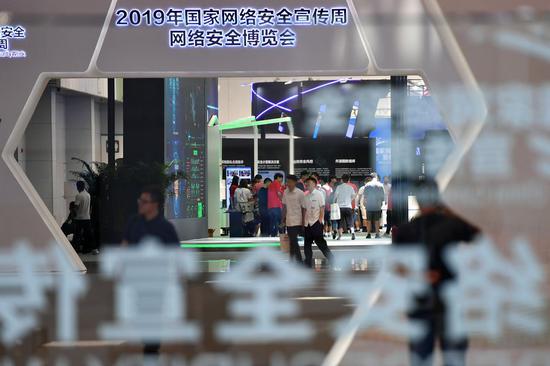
314, 204
257, 187
273, 200
328, 192
294, 201
262, 199
344, 194
159, 228
82, 203
243, 195
354, 186
374, 196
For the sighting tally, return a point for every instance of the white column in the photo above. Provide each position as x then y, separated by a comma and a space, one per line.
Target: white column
256, 152
290, 148
214, 171
39, 152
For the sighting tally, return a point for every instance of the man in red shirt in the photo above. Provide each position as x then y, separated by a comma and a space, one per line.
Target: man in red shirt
275, 203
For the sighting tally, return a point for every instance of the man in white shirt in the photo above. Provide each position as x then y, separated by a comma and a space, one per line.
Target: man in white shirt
314, 217
83, 225
374, 199
293, 203
329, 189
344, 196
360, 202
245, 203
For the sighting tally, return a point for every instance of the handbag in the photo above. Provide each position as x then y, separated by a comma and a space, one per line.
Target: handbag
334, 212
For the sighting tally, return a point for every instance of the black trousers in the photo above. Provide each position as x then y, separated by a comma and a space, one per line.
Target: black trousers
422, 349
293, 233
83, 239
388, 221
265, 223
312, 234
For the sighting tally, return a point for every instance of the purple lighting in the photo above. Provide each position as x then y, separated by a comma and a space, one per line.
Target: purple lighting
270, 102
273, 105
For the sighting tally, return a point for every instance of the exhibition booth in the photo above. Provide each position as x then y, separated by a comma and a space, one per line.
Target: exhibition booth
345, 102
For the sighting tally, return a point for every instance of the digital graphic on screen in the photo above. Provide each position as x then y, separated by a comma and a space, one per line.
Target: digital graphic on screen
352, 119
185, 116
322, 111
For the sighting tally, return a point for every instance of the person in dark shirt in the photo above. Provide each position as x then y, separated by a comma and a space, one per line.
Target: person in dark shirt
150, 223
234, 185
302, 182
435, 230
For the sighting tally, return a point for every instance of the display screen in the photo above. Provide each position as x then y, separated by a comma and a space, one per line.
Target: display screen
332, 108
185, 118
243, 172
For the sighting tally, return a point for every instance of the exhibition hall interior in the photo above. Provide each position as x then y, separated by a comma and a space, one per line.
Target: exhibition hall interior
164, 129
282, 183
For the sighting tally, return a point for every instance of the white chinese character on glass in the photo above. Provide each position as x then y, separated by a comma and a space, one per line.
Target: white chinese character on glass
269, 37
150, 301
174, 16
287, 38
251, 37
178, 38
6, 31
211, 17
492, 291
230, 17
383, 298
247, 16
515, 105
543, 107
233, 38
321, 16
491, 156
462, 105
436, 150
302, 16
284, 17
266, 17
266, 306
4, 44
214, 38
195, 38
339, 16
22, 293
541, 144
193, 17
19, 32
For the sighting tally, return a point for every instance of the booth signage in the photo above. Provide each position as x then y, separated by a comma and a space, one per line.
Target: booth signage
9, 33
227, 37
232, 27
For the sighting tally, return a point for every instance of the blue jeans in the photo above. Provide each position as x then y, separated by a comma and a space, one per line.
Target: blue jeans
274, 220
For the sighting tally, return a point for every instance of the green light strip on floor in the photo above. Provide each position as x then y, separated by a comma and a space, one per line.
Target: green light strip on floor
229, 245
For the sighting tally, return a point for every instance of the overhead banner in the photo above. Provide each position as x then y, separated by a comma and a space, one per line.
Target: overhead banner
229, 35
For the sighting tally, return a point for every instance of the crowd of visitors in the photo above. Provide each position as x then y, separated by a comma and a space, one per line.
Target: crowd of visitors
346, 207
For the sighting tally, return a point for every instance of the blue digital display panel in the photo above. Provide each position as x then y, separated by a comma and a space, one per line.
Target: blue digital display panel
185, 149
